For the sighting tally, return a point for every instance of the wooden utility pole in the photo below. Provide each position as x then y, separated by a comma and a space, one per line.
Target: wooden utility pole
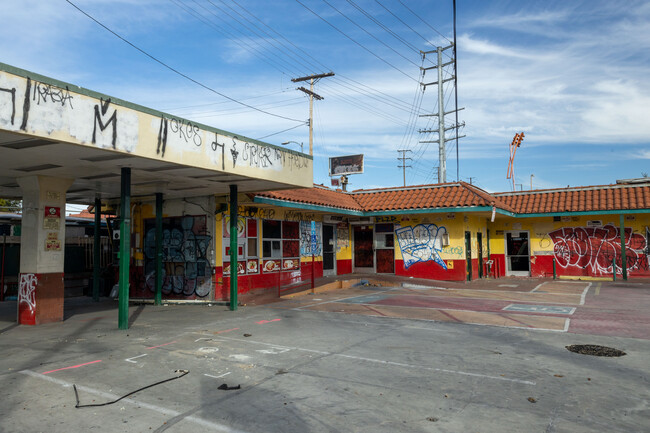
312, 80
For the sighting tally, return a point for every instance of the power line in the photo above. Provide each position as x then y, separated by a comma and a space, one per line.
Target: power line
280, 132
178, 72
420, 18
367, 32
357, 43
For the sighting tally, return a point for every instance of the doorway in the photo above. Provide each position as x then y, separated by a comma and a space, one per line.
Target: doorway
364, 257
479, 243
468, 255
329, 250
385, 248
517, 254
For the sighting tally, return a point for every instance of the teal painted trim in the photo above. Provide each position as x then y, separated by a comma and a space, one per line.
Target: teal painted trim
314, 207
121, 102
595, 212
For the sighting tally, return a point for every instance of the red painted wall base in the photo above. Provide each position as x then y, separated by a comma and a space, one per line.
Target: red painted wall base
40, 298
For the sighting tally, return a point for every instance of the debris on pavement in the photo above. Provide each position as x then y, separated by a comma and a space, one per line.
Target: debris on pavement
225, 387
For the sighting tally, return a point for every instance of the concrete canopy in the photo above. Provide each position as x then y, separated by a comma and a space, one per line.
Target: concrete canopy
51, 128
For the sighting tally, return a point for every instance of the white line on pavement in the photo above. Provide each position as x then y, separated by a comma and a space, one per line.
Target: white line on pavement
109, 396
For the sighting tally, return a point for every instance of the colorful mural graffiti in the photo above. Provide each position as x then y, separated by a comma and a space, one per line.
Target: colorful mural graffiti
186, 261
421, 243
596, 249
305, 238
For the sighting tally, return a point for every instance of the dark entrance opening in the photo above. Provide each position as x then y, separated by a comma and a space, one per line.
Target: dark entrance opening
363, 248
468, 254
479, 242
329, 250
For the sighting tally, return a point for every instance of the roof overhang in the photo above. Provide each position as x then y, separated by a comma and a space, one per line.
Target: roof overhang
51, 128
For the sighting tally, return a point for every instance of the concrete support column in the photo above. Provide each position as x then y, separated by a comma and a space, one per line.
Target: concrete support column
42, 249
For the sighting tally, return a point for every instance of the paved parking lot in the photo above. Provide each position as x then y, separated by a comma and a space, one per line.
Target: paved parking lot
363, 359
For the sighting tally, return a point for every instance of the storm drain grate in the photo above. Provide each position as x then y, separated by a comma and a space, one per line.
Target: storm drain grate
595, 350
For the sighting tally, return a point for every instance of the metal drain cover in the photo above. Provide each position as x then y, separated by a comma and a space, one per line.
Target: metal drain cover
595, 350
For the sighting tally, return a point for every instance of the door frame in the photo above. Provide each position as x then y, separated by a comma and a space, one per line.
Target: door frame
508, 272
329, 272
479, 248
468, 255
355, 269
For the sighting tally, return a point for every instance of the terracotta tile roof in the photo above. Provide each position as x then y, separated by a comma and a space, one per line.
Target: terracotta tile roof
318, 195
448, 195
579, 199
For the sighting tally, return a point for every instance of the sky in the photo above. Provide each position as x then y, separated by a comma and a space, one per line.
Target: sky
571, 75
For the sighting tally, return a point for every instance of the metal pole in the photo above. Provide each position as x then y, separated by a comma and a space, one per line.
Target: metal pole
623, 259
159, 253
2, 279
233, 247
456, 94
442, 155
97, 245
125, 248
554, 268
311, 117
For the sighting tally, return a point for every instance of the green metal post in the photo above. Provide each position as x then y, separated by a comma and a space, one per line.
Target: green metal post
614, 269
554, 268
233, 247
623, 259
97, 248
125, 248
159, 254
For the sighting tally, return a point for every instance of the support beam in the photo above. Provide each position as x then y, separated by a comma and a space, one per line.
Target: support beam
159, 253
623, 258
233, 247
97, 245
125, 248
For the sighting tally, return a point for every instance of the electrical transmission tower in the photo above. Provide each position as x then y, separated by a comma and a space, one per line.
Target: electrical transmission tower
403, 158
442, 111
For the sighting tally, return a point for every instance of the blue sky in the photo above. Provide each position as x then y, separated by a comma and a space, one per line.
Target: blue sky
572, 75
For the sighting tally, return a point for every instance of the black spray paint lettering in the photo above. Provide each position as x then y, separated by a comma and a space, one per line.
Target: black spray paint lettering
216, 144
162, 137
49, 93
258, 156
28, 89
234, 152
102, 126
12, 92
187, 131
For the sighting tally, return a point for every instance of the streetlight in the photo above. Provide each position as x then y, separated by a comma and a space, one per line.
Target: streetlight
287, 142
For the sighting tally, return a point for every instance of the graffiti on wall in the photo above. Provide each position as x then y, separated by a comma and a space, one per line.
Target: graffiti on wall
597, 249
421, 243
32, 106
186, 256
342, 237
27, 292
305, 239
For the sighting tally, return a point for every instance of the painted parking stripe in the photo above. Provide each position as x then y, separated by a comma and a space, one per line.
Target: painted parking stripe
400, 364
73, 366
546, 309
139, 404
